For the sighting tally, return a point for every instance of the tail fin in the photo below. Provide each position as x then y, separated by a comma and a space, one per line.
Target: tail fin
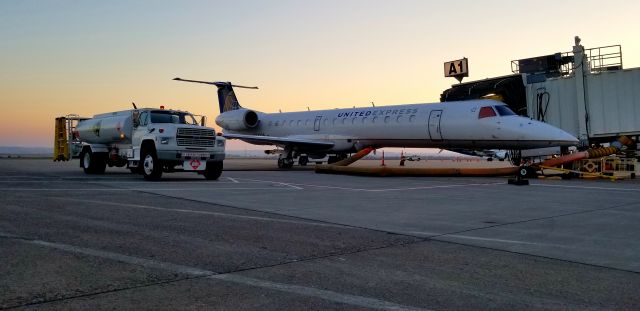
227, 99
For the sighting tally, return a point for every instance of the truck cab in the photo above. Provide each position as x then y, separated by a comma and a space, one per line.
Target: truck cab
173, 140
149, 142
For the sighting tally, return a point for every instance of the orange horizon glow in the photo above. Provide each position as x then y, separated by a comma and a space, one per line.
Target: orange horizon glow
64, 57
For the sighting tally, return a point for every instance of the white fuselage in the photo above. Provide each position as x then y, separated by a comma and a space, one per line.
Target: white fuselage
438, 125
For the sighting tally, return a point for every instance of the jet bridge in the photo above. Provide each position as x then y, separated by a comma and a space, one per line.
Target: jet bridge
586, 92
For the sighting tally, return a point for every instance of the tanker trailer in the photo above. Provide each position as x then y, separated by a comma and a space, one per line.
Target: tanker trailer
147, 141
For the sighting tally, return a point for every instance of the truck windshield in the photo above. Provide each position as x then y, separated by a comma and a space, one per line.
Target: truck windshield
172, 117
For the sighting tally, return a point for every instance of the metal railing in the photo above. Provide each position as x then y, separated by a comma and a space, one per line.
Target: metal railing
605, 58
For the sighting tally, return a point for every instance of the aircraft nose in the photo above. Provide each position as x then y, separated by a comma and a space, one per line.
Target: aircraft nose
552, 134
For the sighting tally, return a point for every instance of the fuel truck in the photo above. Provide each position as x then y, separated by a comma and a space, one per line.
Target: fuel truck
147, 141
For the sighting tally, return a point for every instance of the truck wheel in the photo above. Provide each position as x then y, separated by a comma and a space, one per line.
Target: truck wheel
213, 170
151, 165
92, 163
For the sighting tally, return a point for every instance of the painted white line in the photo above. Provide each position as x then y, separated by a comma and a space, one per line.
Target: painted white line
135, 189
436, 187
376, 190
504, 241
421, 233
589, 187
275, 182
120, 182
353, 300
467, 237
233, 180
180, 210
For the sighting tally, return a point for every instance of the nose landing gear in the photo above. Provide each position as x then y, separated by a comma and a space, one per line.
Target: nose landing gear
523, 173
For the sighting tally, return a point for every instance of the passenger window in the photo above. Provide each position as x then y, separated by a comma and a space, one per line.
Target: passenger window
486, 112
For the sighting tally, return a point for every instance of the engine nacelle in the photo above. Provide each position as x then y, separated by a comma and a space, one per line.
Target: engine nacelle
238, 120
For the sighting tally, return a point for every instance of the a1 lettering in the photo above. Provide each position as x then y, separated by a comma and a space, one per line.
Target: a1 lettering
452, 68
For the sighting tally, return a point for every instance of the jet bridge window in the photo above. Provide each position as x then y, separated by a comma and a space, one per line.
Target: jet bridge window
504, 110
486, 112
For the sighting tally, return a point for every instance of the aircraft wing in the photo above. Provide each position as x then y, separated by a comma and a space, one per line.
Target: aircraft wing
281, 141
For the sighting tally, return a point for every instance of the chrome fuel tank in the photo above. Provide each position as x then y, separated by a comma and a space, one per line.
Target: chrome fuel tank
115, 127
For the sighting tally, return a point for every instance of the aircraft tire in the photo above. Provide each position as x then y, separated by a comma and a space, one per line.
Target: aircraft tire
526, 171
332, 159
303, 160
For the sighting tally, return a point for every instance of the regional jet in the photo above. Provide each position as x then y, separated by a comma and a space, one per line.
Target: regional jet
472, 124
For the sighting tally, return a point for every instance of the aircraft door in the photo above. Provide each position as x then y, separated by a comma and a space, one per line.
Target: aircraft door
316, 124
434, 125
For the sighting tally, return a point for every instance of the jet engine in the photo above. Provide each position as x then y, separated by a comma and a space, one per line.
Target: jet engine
238, 120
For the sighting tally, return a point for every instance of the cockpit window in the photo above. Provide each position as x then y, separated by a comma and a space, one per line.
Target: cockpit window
486, 112
504, 110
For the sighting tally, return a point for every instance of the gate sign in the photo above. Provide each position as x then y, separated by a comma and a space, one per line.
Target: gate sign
457, 68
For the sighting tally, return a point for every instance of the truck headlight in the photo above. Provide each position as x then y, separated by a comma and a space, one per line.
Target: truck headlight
164, 140
220, 143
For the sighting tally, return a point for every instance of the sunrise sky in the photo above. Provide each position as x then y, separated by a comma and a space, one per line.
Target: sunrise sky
88, 57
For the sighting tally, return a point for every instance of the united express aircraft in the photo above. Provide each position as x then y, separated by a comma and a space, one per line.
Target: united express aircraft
472, 124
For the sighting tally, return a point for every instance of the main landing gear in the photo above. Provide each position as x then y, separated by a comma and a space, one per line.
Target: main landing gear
285, 162
287, 157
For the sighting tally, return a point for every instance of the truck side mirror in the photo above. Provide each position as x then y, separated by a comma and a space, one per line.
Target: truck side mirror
203, 121
136, 118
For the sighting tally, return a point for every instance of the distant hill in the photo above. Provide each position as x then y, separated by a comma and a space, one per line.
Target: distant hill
17, 151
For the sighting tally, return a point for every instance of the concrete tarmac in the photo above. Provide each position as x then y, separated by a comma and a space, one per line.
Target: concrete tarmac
260, 238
